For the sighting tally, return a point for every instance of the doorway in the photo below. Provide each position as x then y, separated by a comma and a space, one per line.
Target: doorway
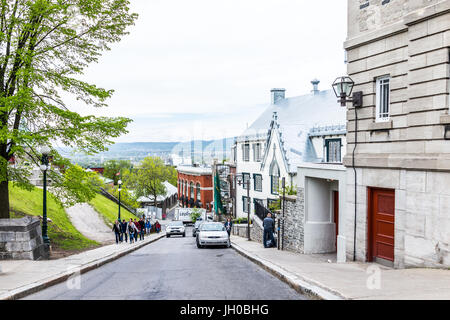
381, 223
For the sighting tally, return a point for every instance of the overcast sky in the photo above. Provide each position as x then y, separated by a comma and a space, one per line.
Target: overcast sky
203, 68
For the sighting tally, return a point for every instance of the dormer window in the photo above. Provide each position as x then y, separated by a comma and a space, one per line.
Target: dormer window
333, 150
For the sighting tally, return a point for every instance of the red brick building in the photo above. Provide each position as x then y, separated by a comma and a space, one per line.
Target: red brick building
195, 187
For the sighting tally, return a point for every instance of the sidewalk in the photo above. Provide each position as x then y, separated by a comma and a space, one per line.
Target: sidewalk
21, 278
314, 275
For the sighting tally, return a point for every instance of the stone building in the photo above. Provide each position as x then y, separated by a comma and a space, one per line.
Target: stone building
398, 56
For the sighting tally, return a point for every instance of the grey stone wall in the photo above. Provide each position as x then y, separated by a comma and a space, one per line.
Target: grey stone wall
256, 231
294, 219
21, 239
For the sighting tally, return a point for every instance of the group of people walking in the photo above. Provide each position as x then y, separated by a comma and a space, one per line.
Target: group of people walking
132, 229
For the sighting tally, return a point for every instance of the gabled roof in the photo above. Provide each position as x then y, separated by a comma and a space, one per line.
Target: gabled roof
170, 191
296, 117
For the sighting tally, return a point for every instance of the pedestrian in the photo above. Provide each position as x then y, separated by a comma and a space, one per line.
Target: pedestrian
116, 229
142, 227
148, 226
131, 230
228, 226
136, 226
269, 226
123, 230
157, 226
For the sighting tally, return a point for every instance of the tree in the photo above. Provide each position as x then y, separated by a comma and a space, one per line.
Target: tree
195, 214
173, 176
148, 178
112, 167
45, 45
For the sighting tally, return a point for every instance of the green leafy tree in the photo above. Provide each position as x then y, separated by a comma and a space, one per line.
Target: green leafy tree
45, 45
148, 178
112, 167
173, 176
195, 214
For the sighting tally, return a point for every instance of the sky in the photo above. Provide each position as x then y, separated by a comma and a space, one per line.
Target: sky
203, 69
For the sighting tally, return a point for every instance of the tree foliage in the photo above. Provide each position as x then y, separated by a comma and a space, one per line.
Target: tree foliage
148, 178
112, 167
45, 45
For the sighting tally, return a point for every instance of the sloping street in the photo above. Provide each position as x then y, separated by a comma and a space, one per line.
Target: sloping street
174, 268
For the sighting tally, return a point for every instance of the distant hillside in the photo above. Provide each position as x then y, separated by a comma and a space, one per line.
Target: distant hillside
200, 150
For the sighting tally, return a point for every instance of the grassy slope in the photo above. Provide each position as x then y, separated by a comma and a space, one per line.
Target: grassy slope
61, 232
109, 209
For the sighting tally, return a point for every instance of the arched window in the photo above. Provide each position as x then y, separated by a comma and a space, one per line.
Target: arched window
274, 176
191, 187
198, 192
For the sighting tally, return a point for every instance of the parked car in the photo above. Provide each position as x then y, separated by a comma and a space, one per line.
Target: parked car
175, 228
197, 224
212, 234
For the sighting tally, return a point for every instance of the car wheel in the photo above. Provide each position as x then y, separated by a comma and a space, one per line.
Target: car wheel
184, 234
168, 236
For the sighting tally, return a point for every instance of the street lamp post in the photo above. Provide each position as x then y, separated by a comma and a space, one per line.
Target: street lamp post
343, 87
120, 186
45, 151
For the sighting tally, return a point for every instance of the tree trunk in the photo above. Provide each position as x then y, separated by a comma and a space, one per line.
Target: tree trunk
4, 200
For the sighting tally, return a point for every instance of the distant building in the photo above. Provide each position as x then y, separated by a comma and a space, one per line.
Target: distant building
195, 187
164, 202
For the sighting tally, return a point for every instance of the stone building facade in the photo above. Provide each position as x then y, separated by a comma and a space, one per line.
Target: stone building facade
398, 56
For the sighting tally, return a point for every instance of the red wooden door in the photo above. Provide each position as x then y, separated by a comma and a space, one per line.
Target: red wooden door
336, 213
381, 224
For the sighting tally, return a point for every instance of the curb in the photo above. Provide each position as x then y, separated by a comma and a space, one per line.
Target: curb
294, 281
51, 281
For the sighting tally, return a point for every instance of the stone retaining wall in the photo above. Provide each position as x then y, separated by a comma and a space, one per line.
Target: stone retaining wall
21, 239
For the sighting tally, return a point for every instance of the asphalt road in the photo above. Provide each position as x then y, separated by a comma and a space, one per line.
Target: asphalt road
171, 269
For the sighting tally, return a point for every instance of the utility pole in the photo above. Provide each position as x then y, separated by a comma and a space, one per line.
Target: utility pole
248, 208
284, 194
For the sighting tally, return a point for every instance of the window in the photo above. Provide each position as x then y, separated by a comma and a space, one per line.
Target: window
246, 152
245, 202
198, 192
260, 201
258, 182
333, 150
383, 98
191, 187
245, 178
275, 183
257, 152
274, 176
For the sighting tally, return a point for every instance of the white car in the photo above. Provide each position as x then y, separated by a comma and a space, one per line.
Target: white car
175, 228
212, 234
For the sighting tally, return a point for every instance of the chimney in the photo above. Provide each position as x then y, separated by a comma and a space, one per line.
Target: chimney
277, 95
315, 84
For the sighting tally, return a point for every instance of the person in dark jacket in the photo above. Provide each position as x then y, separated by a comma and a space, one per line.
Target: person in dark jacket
123, 230
269, 227
228, 226
116, 229
138, 230
142, 227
